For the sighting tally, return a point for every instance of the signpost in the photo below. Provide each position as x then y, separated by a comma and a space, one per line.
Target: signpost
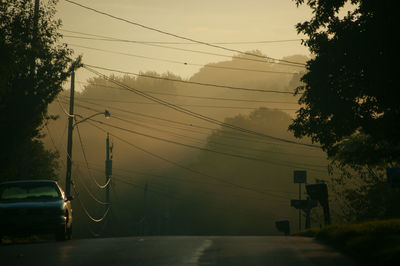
299, 177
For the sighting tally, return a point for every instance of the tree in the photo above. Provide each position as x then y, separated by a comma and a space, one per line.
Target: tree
349, 96
33, 67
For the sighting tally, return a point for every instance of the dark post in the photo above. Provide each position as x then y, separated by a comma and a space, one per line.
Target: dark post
299, 209
69, 144
299, 177
108, 167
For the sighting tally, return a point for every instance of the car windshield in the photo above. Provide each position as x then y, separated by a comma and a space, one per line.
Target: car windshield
26, 191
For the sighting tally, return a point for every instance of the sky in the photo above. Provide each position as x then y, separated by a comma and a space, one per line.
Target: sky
229, 21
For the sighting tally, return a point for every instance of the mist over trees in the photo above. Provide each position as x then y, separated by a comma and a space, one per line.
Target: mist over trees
226, 182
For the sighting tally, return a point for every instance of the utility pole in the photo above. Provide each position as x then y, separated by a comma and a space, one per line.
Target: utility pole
144, 210
70, 128
108, 166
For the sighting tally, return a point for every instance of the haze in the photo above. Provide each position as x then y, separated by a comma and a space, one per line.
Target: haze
174, 171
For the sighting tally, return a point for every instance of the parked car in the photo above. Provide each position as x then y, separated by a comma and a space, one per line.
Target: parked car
29, 207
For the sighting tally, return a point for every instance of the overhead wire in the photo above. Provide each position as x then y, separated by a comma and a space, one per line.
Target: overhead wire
87, 164
92, 67
163, 42
212, 142
192, 105
183, 63
91, 194
234, 155
181, 37
194, 114
189, 169
230, 146
85, 187
204, 52
91, 217
240, 136
184, 96
225, 145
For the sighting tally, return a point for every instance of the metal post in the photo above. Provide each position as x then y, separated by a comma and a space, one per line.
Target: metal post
300, 209
70, 129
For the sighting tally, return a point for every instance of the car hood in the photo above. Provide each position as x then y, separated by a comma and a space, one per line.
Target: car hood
32, 204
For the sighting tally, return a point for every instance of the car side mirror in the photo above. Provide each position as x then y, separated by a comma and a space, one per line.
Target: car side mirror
69, 198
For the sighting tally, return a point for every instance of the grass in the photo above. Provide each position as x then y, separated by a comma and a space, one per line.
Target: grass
371, 243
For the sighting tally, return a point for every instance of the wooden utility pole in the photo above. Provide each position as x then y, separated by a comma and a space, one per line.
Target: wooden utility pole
108, 167
70, 129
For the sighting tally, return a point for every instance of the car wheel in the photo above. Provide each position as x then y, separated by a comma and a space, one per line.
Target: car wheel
69, 233
61, 234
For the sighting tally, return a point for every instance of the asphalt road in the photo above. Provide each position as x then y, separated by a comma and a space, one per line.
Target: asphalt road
190, 250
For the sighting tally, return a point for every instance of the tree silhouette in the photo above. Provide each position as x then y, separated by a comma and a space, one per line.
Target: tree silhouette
32, 69
349, 94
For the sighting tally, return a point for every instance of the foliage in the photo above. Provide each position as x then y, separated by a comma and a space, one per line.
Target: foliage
371, 243
349, 94
32, 69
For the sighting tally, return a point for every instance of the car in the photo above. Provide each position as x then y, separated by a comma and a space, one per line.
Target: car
30, 207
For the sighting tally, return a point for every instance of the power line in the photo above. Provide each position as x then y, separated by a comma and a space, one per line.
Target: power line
192, 105
230, 146
159, 42
178, 164
87, 164
181, 37
225, 145
206, 53
184, 63
234, 155
182, 95
106, 38
93, 196
235, 135
89, 67
194, 114
91, 217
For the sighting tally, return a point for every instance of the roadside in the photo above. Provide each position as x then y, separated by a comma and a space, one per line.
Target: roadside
370, 243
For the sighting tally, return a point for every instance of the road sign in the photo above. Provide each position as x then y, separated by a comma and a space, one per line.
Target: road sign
318, 191
393, 176
299, 177
303, 204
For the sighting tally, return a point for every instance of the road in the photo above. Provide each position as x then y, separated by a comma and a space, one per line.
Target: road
169, 250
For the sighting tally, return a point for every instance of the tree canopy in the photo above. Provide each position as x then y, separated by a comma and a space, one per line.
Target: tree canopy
349, 96
33, 67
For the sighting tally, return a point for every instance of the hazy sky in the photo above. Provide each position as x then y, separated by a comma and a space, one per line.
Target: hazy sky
206, 20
